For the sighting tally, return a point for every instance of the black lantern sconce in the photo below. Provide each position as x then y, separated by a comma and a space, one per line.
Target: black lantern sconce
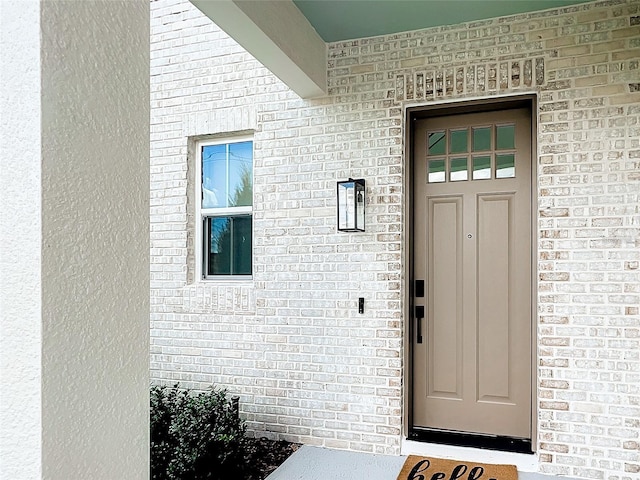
351, 195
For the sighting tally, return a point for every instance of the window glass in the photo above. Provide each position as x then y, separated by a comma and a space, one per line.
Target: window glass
229, 245
437, 143
240, 188
505, 137
458, 169
505, 166
458, 141
227, 172
436, 171
481, 139
481, 168
214, 176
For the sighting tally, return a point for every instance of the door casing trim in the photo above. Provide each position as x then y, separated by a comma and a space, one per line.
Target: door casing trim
453, 107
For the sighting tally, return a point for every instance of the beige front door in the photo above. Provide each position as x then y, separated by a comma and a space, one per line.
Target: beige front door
472, 251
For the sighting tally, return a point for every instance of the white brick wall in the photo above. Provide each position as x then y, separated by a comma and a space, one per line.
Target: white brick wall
306, 365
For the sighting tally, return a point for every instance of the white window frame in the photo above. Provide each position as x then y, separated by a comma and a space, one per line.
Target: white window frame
202, 213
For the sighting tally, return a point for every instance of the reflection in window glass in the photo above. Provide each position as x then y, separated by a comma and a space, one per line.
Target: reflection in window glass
214, 176
437, 143
240, 174
227, 175
481, 139
436, 171
505, 166
458, 140
481, 168
229, 245
505, 137
458, 171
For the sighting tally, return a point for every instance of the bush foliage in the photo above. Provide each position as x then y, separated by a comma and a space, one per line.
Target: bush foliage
195, 436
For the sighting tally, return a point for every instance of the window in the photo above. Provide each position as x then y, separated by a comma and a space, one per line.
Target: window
476, 153
224, 207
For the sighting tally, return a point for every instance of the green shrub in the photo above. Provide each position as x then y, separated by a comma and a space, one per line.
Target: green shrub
195, 436
165, 403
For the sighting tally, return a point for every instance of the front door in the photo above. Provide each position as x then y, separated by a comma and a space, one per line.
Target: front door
471, 338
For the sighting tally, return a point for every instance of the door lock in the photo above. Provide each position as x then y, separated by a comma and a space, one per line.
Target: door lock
469, 235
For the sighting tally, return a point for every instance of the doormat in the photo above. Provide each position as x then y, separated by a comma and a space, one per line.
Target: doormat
426, 468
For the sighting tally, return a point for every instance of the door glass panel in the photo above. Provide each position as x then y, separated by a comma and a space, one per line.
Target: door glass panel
481, 139
481, 168
437, 144
505, 137
458, 169
436, 171
458, 139
505, 166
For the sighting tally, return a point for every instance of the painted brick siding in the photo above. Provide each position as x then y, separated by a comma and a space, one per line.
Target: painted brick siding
290, 343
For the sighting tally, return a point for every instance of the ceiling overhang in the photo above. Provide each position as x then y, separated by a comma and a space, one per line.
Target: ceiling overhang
283, 34
339, 20
279, 36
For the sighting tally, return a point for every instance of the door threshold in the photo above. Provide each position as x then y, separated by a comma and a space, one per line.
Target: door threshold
476, 440
523, 462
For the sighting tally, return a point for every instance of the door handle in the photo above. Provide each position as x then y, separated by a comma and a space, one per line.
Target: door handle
419, 317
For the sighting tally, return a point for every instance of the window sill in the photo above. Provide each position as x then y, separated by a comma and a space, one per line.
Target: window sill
226, 279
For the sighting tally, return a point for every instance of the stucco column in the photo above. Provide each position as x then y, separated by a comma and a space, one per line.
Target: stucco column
20, 241
74, 289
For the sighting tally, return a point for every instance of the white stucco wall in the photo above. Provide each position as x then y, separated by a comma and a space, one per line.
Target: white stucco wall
20, 222
75, 226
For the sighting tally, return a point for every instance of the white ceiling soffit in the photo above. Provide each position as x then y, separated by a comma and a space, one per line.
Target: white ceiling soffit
277, 34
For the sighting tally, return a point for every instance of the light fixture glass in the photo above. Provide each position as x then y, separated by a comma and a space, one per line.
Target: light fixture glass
351, 195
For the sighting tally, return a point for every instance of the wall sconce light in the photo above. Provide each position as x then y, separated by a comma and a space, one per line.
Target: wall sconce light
351, 205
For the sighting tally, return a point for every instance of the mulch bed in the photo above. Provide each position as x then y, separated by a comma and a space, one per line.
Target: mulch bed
266, 455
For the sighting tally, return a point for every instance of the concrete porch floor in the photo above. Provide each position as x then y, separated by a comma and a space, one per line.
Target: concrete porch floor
314, 463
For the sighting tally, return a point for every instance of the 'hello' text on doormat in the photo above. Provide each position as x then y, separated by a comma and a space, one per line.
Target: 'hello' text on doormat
423, 468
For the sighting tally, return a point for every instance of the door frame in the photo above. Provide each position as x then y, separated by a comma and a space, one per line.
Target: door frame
415, 112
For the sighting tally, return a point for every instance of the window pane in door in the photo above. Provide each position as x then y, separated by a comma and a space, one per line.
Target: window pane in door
458, 169
437, 143
481, 139
505, 137
481, 168
505, 166
436, 171
458, 140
